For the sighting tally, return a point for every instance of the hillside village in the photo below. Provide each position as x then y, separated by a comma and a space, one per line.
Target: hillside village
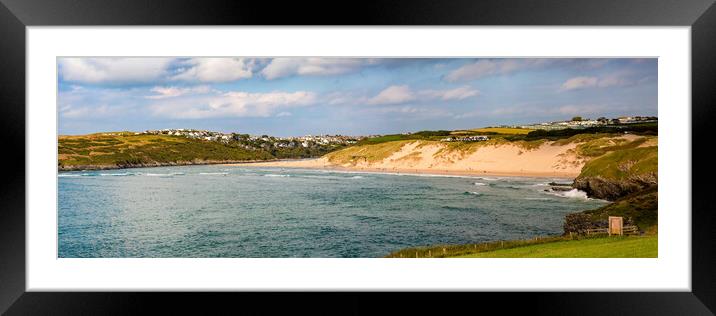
311, 145
227, 137
578, 122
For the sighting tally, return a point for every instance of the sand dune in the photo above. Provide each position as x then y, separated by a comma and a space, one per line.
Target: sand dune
547, 160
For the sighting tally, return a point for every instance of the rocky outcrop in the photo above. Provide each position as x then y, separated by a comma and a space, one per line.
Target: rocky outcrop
612, 189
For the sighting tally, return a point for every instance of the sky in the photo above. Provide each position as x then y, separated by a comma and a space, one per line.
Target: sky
348, 96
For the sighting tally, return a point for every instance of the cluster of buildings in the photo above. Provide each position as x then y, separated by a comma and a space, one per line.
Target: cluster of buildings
465, 139
579, 123
324, 139
283, 142
192, 133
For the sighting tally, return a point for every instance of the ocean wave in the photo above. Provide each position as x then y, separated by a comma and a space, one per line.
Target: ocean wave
277, 175
572, 194
213, 173
537, 198
68, 175
356, 177
124, 174
511, 187
487, 178
479, 183
166, 175
473, 193
320, 177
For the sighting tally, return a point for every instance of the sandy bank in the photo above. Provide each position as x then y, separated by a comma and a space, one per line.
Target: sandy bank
547, 160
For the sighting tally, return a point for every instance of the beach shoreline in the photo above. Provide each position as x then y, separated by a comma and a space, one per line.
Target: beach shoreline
319, 164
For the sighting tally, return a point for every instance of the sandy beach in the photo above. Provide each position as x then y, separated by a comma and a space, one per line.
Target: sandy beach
547, 160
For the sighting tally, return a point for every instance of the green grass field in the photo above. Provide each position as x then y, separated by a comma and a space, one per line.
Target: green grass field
606, 247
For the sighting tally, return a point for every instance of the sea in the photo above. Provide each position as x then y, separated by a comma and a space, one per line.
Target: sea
219, 211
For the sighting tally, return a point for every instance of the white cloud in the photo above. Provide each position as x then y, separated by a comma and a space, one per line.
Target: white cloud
79, 102
581, 109
489, 67
89, 112
113, 70
284, 67
343, 98
233, 104
579, 83
460, 93
414, 112
398, 94
282, 114
538, 111
619, 79
170, 92
215, 69
393, 95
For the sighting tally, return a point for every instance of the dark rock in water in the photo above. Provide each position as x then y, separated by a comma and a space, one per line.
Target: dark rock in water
557, 184
561, 189
611, 189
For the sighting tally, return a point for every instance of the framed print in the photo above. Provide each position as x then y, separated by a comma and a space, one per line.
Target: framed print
406, 147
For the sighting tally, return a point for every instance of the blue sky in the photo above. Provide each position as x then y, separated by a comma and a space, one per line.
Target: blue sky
350, 96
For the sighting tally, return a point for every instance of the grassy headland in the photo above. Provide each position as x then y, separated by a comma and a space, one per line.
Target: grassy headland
128, 149
116, 150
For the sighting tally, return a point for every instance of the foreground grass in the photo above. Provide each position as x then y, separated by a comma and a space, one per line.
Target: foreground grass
551, 247
607, 247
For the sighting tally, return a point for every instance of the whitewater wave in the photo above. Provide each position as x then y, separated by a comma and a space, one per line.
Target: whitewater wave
573, 194
68, 175
124, 174
320, 177
277, 175
479, 183
356, 177
165, 175
473, 193
213, 173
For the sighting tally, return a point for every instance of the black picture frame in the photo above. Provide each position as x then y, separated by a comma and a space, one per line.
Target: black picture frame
15, 15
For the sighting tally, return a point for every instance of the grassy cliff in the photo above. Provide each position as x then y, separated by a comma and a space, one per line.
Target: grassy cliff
628, 176
120, 150
620, 173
